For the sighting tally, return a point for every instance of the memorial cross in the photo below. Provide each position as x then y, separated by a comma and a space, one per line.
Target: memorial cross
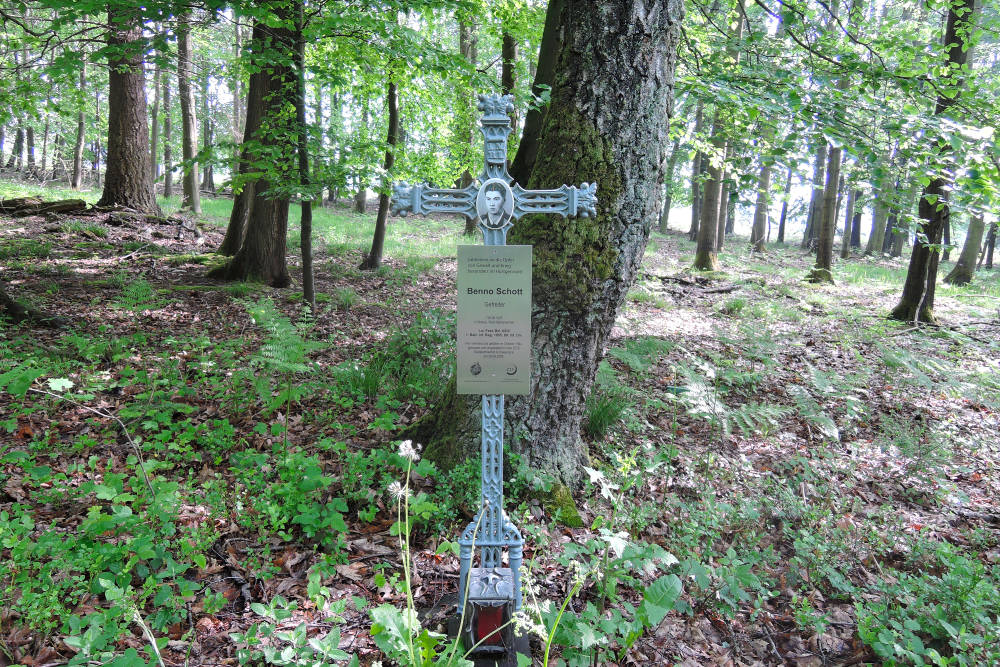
495, 530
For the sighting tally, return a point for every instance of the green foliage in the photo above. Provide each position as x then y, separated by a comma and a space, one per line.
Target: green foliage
641, 353
949, 615
263, 643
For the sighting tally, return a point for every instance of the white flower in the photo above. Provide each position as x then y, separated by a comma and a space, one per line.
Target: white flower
398, 491
524, 624
409, 451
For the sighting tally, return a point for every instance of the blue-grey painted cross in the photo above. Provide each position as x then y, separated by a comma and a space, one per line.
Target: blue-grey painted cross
495, 531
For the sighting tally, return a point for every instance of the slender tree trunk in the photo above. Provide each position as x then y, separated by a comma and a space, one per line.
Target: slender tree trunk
305, 223
361, 196
548, 52
814, 216
697, 169
705, 257
192, 193
31, 169
81, 133
168, 157
845, 242
856, 221
154, 135
947, 240
45, 148
243, 197
15, 155
760, 210
127, 182
987, 254
468, 46
784, 206
207, 177
822, 271
262, 256
724, 196
374, 258
917, 299
965, 267
3, 140
668, 182
583, 267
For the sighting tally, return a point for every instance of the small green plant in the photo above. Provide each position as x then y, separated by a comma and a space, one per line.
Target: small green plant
603, 410
345, 298
264, 643
137, 295
17, 248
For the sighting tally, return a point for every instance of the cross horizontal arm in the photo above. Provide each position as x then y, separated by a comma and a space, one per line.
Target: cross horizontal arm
568, 201
423, 199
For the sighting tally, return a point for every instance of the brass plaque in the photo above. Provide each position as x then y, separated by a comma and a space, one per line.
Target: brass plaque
494, 319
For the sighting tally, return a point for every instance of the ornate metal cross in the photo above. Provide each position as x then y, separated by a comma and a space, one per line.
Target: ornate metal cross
495, 530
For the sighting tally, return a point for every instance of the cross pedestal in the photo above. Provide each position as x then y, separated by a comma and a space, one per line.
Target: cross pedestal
496, 203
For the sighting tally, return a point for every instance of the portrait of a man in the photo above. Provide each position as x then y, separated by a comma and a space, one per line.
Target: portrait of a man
495, 205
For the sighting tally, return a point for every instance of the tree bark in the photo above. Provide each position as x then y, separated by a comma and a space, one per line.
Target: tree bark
965, 267
856, 221
917, 299
189, 121
374, 258
127, 182
207, 127
623, 50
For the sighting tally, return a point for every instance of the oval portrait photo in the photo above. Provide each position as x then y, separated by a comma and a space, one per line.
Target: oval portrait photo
495, 203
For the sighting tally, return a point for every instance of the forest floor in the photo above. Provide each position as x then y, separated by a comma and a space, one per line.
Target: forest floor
203, 465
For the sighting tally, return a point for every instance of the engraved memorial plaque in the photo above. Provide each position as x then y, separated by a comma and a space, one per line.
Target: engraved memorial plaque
494, 319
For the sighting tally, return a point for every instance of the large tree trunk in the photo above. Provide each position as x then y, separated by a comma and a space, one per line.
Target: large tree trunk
374, 258
917, 299
583, 267
965, 267
262, 255
81, 133
127, 182
189, 122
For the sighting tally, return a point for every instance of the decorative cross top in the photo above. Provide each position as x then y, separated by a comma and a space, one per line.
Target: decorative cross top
496, 203
567, 201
